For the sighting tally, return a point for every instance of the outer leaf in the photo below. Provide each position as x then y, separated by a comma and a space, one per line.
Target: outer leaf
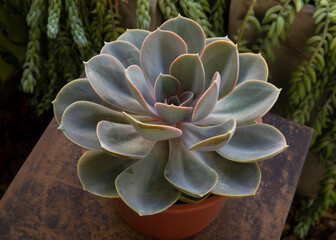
143, 186
122, 140
188, 69
165, 87
134, 36
214, 39
172, 113
125, 52
141, 89
80, 120
247, 103
107, 77
191, 32
154, 132
98, 170
221, 56
234, 179
207, 138
252, 67
77, 90
158, 51
187, 172
254, 142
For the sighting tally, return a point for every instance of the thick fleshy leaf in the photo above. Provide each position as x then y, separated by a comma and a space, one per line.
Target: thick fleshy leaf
122, 140
97, 171
186, 99
143, 186
254, 142
187, 172
134, 36
165, 87
188, 199
221, 56
214, 39
80, 120
191, 32
207, 138
172, 113
158, 51
248, 102
153, 131
208, 100
252, 67
107, 76
234, 179
77, 90
141, 89
125, 52
188, 69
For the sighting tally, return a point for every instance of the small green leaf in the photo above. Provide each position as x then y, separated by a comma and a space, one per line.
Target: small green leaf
165, 87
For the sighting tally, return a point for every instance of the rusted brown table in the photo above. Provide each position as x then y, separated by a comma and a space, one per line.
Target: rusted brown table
46, 201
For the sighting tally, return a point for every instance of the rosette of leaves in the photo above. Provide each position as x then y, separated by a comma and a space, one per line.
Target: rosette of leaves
170, 115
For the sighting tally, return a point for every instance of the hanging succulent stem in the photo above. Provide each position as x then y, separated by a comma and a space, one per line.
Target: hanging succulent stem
195, 11
32, 66
54, 14
246, 19
217, 16
168, 9
143, 18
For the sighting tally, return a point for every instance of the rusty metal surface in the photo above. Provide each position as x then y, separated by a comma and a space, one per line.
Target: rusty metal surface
46, 201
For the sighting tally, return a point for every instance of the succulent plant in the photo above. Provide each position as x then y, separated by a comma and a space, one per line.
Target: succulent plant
170, 115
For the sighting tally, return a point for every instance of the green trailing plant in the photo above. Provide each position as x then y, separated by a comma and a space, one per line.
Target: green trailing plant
63, 33
313, 102
164, 121
143, 18
218, 16
168, 8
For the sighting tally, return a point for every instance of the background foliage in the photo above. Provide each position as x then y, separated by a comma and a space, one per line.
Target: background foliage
55, 36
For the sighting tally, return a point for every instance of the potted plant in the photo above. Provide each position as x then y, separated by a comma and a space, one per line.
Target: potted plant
169, 115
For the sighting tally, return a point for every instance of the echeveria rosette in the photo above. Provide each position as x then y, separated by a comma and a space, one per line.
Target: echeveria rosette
170, 115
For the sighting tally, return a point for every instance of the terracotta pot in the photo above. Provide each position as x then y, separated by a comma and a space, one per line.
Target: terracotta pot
178, 221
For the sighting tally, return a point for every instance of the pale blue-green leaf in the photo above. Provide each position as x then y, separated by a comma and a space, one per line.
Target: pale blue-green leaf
234, 179
158, 51
122, 140
134, 36
186, 99
221, 56
107, 77
153, 131
214, 39
141, 89
248, 102
125, 52
254, 142
188, 69
77, 90
191, 32
80, 120
207, 138
252, 67
143, 186
188, 199
97, 171
187, 172
208, 100
165, 87
172, 113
